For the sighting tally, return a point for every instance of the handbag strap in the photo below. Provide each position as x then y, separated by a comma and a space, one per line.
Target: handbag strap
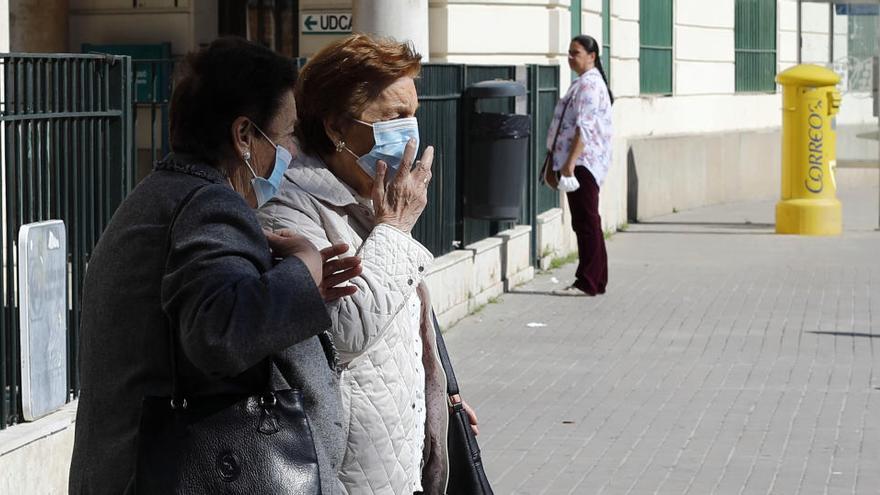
172, 341
178, 398
451, 382
559, 124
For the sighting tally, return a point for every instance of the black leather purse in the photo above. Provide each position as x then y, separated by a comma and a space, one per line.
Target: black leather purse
466, 473
226, 444
230, 444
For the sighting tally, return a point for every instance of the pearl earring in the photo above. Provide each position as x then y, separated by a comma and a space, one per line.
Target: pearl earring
246, 155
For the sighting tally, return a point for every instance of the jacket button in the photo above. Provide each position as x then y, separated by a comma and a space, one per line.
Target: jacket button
410, 281
421, 269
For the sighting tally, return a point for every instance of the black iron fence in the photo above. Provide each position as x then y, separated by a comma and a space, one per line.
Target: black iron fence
67, 154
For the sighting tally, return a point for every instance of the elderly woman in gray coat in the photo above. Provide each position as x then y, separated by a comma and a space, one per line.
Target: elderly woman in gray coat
185, 248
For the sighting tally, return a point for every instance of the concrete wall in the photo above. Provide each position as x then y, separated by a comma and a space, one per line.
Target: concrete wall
38, 26
35, 457
190, 24
673, 173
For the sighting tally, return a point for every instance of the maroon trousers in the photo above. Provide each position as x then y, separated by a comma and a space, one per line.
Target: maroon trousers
592, 270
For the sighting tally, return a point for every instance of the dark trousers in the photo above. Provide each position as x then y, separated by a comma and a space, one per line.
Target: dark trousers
592, 270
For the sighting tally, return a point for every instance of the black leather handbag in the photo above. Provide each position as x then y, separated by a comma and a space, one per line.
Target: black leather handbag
225, 444
466, 473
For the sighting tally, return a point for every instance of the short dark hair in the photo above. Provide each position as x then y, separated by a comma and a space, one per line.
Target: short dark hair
342, 78
231, 77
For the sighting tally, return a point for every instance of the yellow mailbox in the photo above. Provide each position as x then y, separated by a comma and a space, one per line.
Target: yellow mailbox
809, 204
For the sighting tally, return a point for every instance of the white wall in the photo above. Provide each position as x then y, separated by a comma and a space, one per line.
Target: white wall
496, 31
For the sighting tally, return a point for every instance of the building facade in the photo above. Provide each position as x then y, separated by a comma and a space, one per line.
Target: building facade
696, 118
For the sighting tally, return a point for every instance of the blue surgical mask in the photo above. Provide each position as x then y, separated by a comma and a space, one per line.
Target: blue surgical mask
265, 189
390, 137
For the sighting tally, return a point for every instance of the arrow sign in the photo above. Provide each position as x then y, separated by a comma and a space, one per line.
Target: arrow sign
327, 23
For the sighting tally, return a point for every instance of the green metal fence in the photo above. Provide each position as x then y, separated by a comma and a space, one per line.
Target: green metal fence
67, 138
442, 120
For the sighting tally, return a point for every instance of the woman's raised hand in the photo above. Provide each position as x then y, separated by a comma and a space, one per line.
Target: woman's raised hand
401, 202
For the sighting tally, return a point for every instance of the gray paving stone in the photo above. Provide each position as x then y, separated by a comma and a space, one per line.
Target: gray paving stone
723, 359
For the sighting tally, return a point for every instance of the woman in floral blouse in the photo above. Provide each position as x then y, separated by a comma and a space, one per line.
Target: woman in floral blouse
582, 156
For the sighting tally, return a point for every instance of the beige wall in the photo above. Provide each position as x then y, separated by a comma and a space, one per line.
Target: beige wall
38, 25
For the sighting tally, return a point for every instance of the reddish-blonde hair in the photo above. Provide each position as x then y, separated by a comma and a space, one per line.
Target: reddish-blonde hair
342, 78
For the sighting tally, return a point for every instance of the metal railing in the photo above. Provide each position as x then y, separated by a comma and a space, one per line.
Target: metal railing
67, 154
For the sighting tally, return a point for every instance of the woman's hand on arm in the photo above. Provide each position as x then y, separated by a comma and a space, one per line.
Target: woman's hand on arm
401, 202
328, 271
284, 243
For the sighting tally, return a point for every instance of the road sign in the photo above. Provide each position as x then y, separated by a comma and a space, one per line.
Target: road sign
326, 23
42, 289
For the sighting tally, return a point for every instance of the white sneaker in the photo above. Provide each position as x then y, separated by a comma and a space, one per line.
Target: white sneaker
569, 291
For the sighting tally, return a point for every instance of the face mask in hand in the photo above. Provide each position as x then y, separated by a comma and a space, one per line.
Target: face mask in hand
568, 184
390, 137
265, 189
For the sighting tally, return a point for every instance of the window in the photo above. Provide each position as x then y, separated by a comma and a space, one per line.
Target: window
606, 38
655, 50
862, 44
755, 45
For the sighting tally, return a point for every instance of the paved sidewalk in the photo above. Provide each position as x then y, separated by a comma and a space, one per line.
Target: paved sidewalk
723, 359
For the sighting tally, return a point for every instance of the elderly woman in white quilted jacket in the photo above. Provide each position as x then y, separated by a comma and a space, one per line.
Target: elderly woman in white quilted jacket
355, 182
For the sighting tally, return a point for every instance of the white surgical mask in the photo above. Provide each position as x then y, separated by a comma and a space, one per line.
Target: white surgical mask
265, 189
390, 139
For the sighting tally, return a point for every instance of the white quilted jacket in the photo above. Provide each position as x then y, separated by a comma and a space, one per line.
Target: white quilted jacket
382, 333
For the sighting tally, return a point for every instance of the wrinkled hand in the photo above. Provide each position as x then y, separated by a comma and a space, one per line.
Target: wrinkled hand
472, 415
401, 202
285, 244
337, 271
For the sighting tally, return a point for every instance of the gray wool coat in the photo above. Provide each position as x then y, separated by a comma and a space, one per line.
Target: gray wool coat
214, 277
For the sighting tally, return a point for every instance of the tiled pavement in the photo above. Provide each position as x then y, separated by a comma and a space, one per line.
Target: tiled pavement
723, 359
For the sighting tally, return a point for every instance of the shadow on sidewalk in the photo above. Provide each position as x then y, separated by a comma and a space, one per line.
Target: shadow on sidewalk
702, 228
533, 292
720, 225
846, 334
